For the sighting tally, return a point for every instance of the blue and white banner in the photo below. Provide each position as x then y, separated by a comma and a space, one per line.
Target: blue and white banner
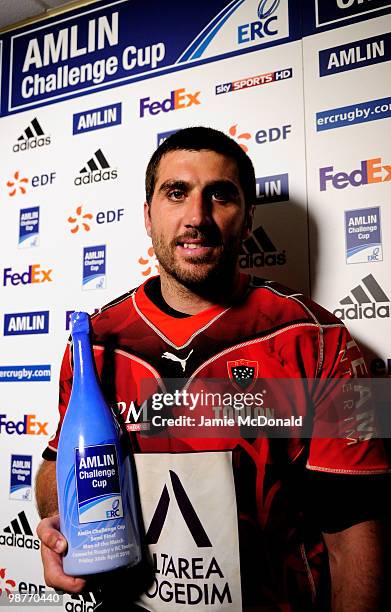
356, 54
22, 323
94, 267
29, 227
21, 477
361, 112
25, 373
112, 43
363, 235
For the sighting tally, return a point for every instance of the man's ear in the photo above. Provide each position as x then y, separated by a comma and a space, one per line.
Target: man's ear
248, 226
147, 219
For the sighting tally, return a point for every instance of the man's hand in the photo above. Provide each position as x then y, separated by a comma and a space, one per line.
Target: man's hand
53, 545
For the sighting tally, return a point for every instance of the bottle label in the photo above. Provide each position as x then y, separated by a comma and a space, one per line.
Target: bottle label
98, 486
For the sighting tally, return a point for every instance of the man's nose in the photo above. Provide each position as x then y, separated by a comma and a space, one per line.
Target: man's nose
197, 211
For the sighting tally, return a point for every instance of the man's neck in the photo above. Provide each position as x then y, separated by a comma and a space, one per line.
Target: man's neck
188, 301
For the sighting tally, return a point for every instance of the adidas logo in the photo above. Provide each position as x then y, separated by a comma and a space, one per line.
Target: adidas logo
82, 603
32, 137
96, 169
259, 251
19, 534
369, 302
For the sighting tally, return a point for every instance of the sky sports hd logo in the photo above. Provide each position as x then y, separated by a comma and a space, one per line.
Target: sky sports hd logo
363, 235
28, 227
97, 118
33, 275
25, 323
177, 100
367, 301
94, 267
254, 81
18, 534
21, 470
32, 137
370, 171
96, 170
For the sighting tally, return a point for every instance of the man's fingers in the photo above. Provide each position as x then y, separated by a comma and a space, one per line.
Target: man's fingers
53, 544
54, 573
49, 534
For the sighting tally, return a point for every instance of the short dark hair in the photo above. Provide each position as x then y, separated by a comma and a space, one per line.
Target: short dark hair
204, 138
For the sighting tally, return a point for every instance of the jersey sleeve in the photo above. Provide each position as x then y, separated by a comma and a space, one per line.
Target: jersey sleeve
66, 377
344, 439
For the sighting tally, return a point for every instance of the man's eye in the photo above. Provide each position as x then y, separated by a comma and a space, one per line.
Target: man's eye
175, 194
221, 195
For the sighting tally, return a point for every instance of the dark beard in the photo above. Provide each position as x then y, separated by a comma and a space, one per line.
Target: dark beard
213, 282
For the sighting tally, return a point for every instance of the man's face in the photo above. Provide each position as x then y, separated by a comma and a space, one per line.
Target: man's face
197, 216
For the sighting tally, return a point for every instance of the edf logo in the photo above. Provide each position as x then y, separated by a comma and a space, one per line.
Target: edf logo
18, 183
273, 134
370, 171
266, 26
178, 99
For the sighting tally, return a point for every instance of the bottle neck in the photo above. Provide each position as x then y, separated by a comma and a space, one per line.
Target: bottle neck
83, 362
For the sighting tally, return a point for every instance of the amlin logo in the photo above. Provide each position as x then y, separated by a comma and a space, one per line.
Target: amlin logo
97, 169
18, 534
31, 138
369, 301
22, 323
97, 118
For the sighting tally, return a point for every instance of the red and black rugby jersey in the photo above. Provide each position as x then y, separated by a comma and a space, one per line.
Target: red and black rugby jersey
225, 518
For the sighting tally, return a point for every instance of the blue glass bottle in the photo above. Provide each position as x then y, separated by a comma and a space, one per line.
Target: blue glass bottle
96, 493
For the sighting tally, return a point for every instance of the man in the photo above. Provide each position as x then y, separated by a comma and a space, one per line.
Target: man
231, 523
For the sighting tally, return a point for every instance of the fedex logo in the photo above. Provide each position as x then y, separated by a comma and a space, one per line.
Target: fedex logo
178, 99
29, 426
34, 274
370, 171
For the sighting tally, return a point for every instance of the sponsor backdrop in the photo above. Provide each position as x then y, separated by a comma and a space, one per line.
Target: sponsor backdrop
88, 94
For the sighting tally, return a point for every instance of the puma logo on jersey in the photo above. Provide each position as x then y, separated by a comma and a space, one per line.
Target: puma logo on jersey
173, 357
